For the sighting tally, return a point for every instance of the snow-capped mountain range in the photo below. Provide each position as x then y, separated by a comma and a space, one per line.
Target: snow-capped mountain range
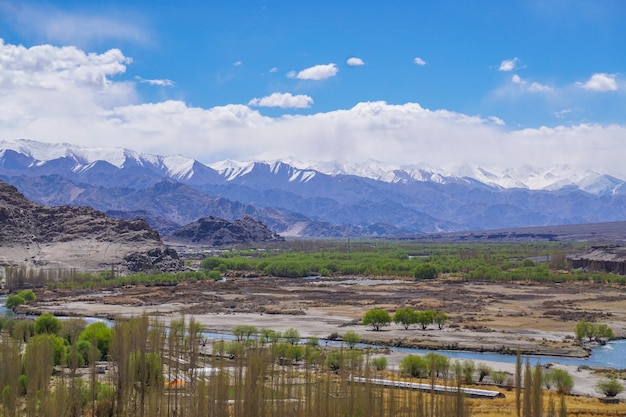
527, 177
183, 168
313, 198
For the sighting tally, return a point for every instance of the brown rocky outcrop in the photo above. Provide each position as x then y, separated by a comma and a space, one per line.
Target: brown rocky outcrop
213, 231
77, 238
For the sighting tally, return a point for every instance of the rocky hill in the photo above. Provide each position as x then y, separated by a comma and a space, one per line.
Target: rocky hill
72, 237
213, 231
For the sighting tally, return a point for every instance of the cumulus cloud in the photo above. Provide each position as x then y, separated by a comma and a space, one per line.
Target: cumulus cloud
66, 95
399, 133
51, 67
533, 87
419, 61
601, 82
355, 62
508, 64
273, 69
283, 100
157, 82
317, 72
52, 24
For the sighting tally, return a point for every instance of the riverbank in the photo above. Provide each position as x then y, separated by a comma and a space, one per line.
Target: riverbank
483, 317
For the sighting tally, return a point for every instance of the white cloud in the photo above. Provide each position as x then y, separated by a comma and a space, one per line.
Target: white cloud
237, 63
508, 64
283, 100
66, 95
539, 88
274, 69
562, 113
419, 61
51, 67
601, 82
387, 132
52, 24
317, 72
354, 62
496, 120
534, 87
157, 82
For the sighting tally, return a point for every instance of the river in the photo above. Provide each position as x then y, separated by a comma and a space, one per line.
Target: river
611, 355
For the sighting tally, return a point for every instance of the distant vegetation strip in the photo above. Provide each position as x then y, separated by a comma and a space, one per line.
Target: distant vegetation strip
544, 262
539, 261
23, 277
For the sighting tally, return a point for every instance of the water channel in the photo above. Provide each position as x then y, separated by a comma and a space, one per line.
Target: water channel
611, 355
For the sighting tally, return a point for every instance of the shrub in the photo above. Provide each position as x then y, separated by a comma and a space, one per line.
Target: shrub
47, 323
379, 363
440, 319
214, 275
405, 316
244, 331
414, 366
468, 369
498, 377
292, 336
548, 380
333, 360
210, 263
269, 335
609, 387
14, 300
377, 318
27, 295
563, 381
425, 318
354, 359
351, 338
288, 269
83, 348
439, 364
426, 271
593, 331
22, 329
99, 332
483, 371
146, 368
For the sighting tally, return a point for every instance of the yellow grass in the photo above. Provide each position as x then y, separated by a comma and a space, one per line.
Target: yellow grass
576, 406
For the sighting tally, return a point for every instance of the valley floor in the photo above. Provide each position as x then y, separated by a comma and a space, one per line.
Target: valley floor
500, 317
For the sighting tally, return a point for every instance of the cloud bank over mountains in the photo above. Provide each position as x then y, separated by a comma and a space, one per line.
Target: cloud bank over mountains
65, 94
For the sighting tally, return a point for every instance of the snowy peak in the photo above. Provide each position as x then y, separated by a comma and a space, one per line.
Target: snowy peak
84, 159
232, 170
45, 158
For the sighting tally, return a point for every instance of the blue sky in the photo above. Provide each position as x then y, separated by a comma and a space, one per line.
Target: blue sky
444, 83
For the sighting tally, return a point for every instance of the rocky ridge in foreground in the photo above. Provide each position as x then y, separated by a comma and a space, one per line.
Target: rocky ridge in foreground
81, 238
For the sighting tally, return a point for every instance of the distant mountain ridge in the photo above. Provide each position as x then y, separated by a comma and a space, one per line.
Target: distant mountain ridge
43, 157
294, 198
